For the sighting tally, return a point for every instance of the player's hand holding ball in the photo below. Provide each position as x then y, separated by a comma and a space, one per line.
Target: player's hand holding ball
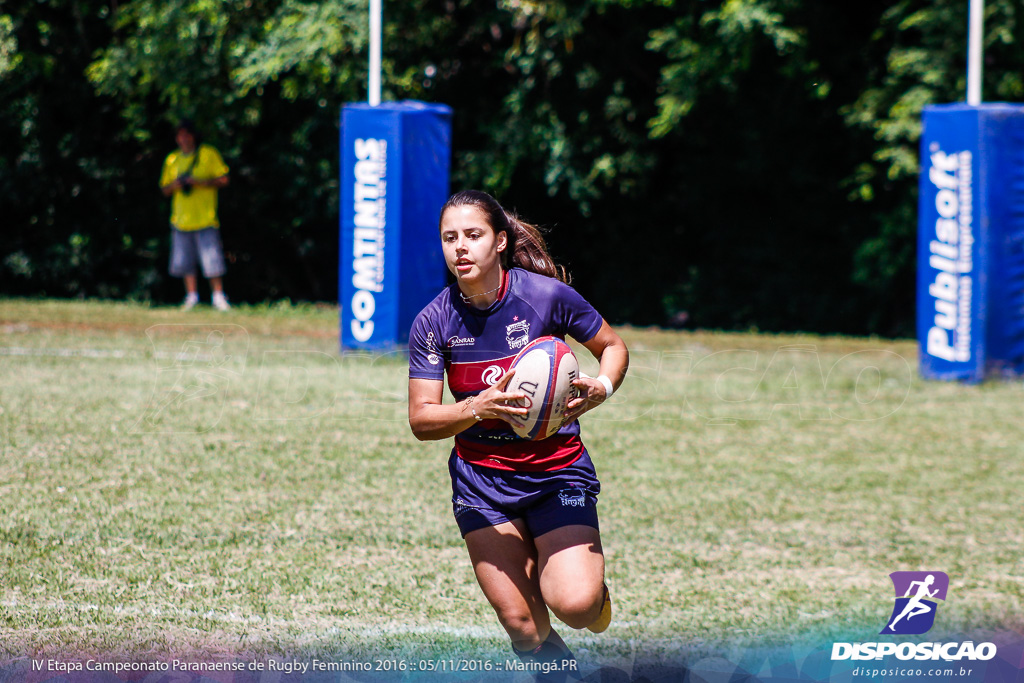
496, 403
591, 393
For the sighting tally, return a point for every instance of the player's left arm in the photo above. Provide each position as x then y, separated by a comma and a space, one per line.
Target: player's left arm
611, 352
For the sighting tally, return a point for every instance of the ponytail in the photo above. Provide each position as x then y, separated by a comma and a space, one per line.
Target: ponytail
529, 251
526, 247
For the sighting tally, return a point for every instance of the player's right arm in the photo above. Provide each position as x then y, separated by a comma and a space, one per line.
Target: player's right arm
431, 420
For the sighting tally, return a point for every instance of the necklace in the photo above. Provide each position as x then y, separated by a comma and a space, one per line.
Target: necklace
465, 299
474, 296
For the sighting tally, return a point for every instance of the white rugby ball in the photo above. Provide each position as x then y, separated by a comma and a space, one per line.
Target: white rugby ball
545, 370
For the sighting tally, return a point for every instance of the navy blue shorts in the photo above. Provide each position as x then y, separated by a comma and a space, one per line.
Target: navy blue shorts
485, 496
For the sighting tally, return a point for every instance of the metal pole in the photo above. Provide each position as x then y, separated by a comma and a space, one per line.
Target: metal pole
974, 51
376, 10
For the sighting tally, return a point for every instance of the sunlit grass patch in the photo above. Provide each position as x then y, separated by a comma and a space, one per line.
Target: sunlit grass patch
226, 485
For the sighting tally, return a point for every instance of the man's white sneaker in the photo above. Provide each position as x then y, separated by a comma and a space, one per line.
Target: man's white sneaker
220, 302
190, 302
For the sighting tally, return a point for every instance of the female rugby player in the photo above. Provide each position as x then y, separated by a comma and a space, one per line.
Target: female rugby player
526, 509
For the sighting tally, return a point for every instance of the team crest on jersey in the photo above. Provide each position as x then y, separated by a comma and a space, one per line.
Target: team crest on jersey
432, 355
517, 334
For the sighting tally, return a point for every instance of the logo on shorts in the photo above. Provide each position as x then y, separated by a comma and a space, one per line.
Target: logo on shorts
917, 596
459, 506
573, 497
518, 333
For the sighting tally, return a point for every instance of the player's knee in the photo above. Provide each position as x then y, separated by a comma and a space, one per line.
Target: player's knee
521, 628
578, 609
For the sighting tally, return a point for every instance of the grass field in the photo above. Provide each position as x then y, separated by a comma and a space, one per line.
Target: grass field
221, 485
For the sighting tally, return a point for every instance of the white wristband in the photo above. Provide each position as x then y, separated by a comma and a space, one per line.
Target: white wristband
609, 388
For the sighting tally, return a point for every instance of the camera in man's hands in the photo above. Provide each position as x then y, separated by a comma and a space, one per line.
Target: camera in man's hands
186, 183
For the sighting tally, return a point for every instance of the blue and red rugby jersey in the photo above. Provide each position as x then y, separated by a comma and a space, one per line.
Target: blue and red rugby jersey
475, 349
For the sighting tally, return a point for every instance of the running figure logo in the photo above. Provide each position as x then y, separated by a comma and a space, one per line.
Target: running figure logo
917, 596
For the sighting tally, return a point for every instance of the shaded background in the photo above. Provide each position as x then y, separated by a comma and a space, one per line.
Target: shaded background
727, 164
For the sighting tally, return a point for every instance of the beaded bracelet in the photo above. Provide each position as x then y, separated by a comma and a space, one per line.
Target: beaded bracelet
469, 402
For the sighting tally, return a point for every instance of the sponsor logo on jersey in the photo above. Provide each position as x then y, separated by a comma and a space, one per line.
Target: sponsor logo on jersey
475, 376
461, 341
492, 374
432, 355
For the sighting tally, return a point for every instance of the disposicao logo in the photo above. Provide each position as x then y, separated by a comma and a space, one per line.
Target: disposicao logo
917, 596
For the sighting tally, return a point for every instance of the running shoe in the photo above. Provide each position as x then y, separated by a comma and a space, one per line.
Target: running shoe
605, 618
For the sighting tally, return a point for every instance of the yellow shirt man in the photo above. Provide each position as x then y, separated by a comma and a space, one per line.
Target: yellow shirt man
194, 203
191, 176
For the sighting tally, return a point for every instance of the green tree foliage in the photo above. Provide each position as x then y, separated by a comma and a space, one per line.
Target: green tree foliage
716, 46
114, 78
920, 59
708, 137
264, 81
750, 94
747, 162
56, 183
9, 57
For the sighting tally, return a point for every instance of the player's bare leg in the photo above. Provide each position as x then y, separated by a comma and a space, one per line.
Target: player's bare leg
571, 564
504, 559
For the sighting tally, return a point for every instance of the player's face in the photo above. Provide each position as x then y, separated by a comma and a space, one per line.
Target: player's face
471, 248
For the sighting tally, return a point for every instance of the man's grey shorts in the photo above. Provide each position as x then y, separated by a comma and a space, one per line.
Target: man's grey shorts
197, 247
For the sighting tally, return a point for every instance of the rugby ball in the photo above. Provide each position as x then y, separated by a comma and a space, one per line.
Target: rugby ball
545, 370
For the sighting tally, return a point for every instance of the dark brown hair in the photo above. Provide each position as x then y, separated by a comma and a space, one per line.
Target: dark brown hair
526, 246
190, 126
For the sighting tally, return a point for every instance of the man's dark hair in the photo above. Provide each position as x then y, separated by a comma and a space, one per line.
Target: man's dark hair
190, 126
